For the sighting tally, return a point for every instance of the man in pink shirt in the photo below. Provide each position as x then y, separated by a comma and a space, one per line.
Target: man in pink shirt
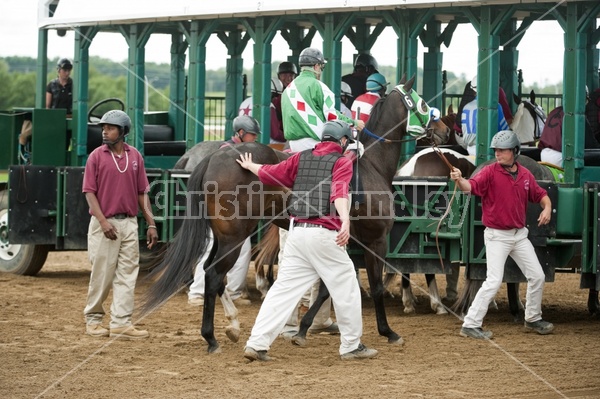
315, 246
505, 187
115, 186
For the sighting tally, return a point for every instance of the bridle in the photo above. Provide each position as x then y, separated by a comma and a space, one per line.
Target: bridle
418, 123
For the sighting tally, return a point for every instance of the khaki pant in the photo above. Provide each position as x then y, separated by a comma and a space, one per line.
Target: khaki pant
115, 263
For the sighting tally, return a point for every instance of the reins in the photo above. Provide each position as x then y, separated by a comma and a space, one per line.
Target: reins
440, 154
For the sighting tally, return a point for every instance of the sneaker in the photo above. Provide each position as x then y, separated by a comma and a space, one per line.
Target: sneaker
196, 301
362, 352
242, 302
128, 332
331, 329
541, 327
96, 330
476, 333
252, 355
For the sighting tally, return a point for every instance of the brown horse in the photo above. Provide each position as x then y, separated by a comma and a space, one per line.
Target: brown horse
428, 163
232, 201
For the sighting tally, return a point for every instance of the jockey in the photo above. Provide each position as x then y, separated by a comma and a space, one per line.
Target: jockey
345, 99
364, 65
468, 122
308, 103
376, 87
245, 108
551, 138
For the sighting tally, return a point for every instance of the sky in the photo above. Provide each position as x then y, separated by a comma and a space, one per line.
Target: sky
540, 50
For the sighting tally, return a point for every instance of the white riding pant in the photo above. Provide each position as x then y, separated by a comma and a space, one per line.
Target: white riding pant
307, 143
236, 277
311, 253
499, 245
552, 156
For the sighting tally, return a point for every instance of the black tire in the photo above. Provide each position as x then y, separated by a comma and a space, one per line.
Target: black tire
25, 260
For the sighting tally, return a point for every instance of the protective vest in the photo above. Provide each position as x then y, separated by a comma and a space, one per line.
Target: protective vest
312, 187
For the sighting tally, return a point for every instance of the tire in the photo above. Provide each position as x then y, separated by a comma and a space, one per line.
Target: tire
16, 258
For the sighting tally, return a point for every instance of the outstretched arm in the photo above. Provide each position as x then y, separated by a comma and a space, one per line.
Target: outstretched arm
245, 162
461, 182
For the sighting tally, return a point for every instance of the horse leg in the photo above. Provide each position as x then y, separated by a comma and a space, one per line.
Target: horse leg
215, 285
514, 303
593, 303
434, 295
231, 312
387, 282
262, 284
373, 259
408, 298
452, 283
307, 320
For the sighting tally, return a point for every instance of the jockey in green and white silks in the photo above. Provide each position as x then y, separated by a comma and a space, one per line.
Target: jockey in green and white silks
306, 104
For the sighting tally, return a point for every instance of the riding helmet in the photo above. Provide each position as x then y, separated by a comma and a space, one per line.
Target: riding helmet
366, 61
311, 56
287, 67
376, 82
64, 63
247, 123
506, 139
335, 130
117, 118
346, 90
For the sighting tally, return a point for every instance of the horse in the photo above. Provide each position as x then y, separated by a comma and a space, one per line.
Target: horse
231, 201
529, 120
540, 172
428, 163
191, 159
447, 120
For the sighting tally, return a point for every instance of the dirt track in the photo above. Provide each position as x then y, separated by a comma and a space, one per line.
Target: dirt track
45, 353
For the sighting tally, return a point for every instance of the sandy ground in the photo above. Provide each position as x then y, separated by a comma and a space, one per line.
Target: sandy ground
45, 353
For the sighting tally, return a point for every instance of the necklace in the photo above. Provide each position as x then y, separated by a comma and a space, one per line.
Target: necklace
117, 165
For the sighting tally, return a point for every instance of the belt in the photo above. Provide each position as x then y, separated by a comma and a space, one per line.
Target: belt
310, 225
120, 216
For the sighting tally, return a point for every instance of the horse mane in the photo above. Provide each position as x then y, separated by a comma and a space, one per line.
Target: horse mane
376, 110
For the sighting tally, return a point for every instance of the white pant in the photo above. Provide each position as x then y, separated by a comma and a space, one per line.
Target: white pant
303, 144
499, 245
236, 277
311, 253
552, 156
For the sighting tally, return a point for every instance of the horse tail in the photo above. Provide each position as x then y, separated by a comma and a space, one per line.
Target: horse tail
174, 264
461, 306
267, 251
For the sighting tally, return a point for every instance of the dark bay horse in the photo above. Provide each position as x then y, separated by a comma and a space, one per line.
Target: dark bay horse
232, 201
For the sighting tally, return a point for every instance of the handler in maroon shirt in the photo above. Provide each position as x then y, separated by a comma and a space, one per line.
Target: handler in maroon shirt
505, 188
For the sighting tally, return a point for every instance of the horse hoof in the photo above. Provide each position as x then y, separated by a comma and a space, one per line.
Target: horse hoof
233, 334
397, 340
299, 341
517, 318
441, 310
410, 310
214, 349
